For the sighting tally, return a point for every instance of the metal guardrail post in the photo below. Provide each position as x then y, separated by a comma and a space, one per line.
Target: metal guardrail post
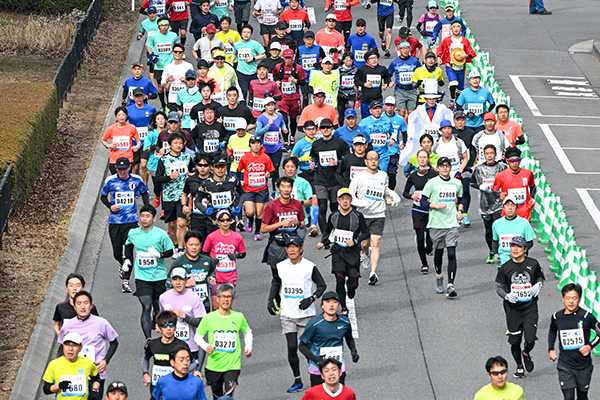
5, 201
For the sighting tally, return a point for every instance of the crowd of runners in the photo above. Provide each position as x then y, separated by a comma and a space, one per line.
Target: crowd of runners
292, 142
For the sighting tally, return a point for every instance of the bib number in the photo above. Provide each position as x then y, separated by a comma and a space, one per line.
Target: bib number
225, 264
229, 123
329, 99
271, 137
308, 63
572, 339
258, 104
77, 386
374, 79
178, 166
88, 352
256, 179
182, 331
225, 341
347, 81
269, 19
447, 193
238, 154
433, 130
158, 371
244, 53
201, 290
340, 236
429, 25
211, 145
359, 55
405, 78
475, 108
288, 87
146, 261
505, 242
518, 194
325, 156
174, 90
124, 199
179, 6
293, 289
163, 48
523, 291
374, 192
339, 5
296, 24
335, 352
355, 171
220, 199
121, 142
142, 131
378, 139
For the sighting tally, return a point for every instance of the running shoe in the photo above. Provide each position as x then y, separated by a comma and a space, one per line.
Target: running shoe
519, 372
491, 258
365, 260
425, 269
296, 387
156, 202
313, 231
368, 6
176, 253
344, 311
450, 292
257, 236
439, 284
249, 226
373, 279
399, 21
240, 225
451, 105
125, 267
162, 214
125, 288
466, 221
528, 362
387, 53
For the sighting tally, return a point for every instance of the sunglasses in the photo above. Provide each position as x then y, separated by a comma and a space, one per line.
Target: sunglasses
513, 160
190, 79
224, 219
168, 325
173, 122
177, 52
496, 373
203, 165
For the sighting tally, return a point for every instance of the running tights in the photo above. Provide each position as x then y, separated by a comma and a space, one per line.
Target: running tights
292, 125
437, 260
487, 224
424, 244
292, 350
148, 303
515, 349
323, 212
569, 394
340, 288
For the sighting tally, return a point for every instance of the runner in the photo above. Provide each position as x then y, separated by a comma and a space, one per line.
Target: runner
149, 25
202, 49
442, 28
158, 349
370, 193
385, 21
223, 328
247, 52
346, 229
330, 40
398, 137
349, 131
159, 48
68, 375
138, 80
237, 146
426, 143
234, 112
420, 215
297, 22
404, 35
297, 284
426, 24
282, 37
224, 75
302, 190
123, 188
117, 391
309, 55
221, 8
509, 226
138, 114
490, 135
269, 127
122, 135
346, 98
404, 92
360, 42
187, 98
199, 219
323, 338
318, 109
499, 388
517, 182
65, 310
328, 79
353, 163
476, 101
152, 246
429, 70
573, 325
174, 76
512, 130
151, 153
95, 332
201, 20
372, 78
442, 196
228, 37
379, 130
180, 384
342, 9
209, 135
179, 17
261, 89
242, 10
331, 388
490, 204
267, 12
519, 282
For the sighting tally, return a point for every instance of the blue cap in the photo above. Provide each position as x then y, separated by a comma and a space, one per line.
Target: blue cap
432, 3
309, 34
151, 8
190, 73
351, 112
445, 123
518, 241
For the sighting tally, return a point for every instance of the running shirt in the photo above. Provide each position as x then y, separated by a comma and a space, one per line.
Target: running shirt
296, 21
177, 10
483, 178
429, 23
289, 90
385, 7
421, 73
176, 85
476, 102
308, 58
347, 135
379, 131
159, 352
320, 392
378, 76
439, 190
326, 338
503, 230
228, 39
219, 246
123, 194
147, 267
255, 169
144, 83
330, 82
302, 151
511, 129
230, 116
173, 188
300, 191
418, 182
275, 211
398, 128
268, 7
403, 70
150, 27
482, 139
209, 138
331, 42
162, 46
573, 331
510, 392
188, 303
359, 45
200, 269
238, 146
140, 117
187, 98
151, 139
517, 185
453, 150
520, 278
369, 192
260, 91
340, 10
123, 139
270, 134
242, 49
224, 333
170, 387
225, 77
78, 373
296, 284
321, 153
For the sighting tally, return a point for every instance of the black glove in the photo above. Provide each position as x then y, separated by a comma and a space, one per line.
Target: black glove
271, 307
305, 303
233, 256
94, 395
470, 114
64, 385
458, 175
355, 356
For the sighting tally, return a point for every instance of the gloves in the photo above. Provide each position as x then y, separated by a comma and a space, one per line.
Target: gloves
236, 211
395, 201
233, 256
64, 385
458, 175
271, 307
222, 145
511, 297
535, 290
153, 252
209, 210
305, 157
355, 356
470, 114
126, 265
152, 58
94, 395
305, 303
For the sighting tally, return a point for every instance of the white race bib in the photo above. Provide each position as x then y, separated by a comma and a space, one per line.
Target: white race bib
269, 18
178, 166
417, 202
256, 179
347, 81
220, 199
309, 62
187, 108
386, 3
446, 193
328, 99
475, 108
229, 123
271, 137
572, 339
159, 371
163, 48
336, 352
228, 48
374, 192
325, 156
523, 291
288, 87
429, 25
296, 24
293, 289
179, 6
258, 104
182, 331
518, 194
225, 341
339, 5
77, 387
121, 142
88, 352
405, 78
211, 145
244, 53
221, 4
356, 170
174, 89
238, 154
201, 290
225, 264
124, 199
378, 139
488, 183
374, 79
505, 241
142, 131
433, 130
146, 260
359, 55
340, 236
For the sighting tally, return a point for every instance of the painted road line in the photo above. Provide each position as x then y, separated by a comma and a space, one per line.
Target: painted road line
576, 95
566, 96
550, 76
560, 153
528, 100
582, 148
572, 88
352, 316
557, 82
576, 125
590, 205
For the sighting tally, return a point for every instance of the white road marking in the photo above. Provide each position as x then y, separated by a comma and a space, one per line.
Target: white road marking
549, 76
582, 148
589, 203
565, 96
571, 94
530, 103
566, 82
560, 153
352, 317
576, 125
572, 88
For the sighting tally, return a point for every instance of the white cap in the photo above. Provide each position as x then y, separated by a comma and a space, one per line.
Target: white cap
390, 100
510, 198
430, 89
330, 16
240, 123
319, 90
473, 73
73, 337
269, 100
327, 60
275, 45
180, 272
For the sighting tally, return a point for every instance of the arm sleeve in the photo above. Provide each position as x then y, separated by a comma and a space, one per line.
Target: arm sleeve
318, 279
495, 246
47, 386
194, 321
305, 350
145, 364
275, 282
529, 245
145, 198
500, 290
112, 347
199, 339
248, 338
105, 201
552, 334
160, 177
350, 340
425, 203
406, 192
596, 328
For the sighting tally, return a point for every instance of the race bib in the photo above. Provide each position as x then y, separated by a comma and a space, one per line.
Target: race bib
182, 331
125, 199
142, 131
238, 154
225, 264
77, 386
178, 166
146, 261
523, 291
429, 25
335, 352
417, 202
88, 352
163, 48
433, 130
488, 183
228, 48
329, 99
505, 241
229, 123
296, 24
475, 108
309, 62
179, 6
374, 192
339, 5
446, 193
374, 79
221, 4
359, 55
340, 236
386, 3
519, 194
121, 142
288, 87
293, 289
405, 78
572, 339
256, 179
187, 108
201, 290
290, 228
220, 199
258, 104
244, 53
347, 81
160, 9
269, 18
378, 139
445, 31
271, 137
355, 171
211, 145
158, 371
225, 341
325, 156
174, 90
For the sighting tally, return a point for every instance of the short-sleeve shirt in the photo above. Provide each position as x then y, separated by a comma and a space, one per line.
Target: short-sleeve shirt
242, 49
503, 230
219, 246
510, 392
516, 185
162, 46
77, 373
123, 193
255, 168
448, 191
122, 138
276, 211
326, 338
147, 267
511, 129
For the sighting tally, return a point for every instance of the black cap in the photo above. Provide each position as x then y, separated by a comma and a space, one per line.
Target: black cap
202, 63
138, 91
295, 240
442, 160
459, 114
309, 124
309, 34
281, 25
117, 386
254, 139
122, 163
375, 103
518, 241
330, 295
220, 161
404, 32
430, 54
326, 123
361, 22
512, 151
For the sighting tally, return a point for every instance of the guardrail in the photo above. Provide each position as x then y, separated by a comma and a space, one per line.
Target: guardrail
5, 201
567, 261
67, 70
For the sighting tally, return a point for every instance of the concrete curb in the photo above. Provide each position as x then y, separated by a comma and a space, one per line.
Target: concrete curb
596, 49
28, 383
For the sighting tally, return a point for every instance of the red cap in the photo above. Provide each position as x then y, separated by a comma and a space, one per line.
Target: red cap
489, 115
210, 28
287, 53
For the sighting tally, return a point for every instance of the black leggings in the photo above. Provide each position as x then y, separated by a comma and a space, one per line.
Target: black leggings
118, 237
406, 6
424, 244
569, 394
343, 104
344, 27
292, 126
323, 212
466, 197
292, 350
148, 304
515, 349
488, 221
437, 261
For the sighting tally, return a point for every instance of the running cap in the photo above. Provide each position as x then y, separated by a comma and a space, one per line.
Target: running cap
137, 64
281, 25
431, 4
403, 44
445, 123
211, 28
288, 53
295, 240
269, 100
117, 386
449, 7
180, 272
254, 139
262, 64
220, 161
150, 9
361, 22
430, 54
138, 91
173, 117
455, 22
327, 60
375, 104
390, 100
275, 46
73, 337
359, 138
122, 163
343, 191
309, 124
350, 112
512, 151
190, 73
240, 123
163, 22
330, 295
443, 160
511, 199
331, 16
326, 123
473, 73
404, 32
319, 90
219, 53
518, 241
489, 115
202, 63
459, 114
221, 212
309, 34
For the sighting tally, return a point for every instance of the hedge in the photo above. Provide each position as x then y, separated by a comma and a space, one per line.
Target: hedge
28, 121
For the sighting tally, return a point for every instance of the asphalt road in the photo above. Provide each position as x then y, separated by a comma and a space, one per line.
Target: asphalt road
413, 343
